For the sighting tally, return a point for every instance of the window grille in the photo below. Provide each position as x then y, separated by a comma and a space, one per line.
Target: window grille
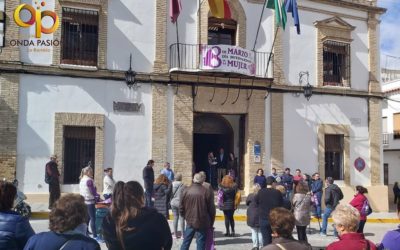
336, 61
221, 31
79, 149
79, 37
334, 156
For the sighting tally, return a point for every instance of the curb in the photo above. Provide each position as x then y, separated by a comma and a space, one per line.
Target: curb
220, 217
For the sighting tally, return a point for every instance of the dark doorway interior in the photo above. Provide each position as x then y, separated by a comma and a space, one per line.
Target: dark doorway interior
204, 143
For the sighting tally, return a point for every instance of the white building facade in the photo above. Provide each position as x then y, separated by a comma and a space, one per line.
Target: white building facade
72, 99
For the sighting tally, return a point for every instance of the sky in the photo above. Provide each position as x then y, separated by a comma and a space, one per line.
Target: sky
390, 33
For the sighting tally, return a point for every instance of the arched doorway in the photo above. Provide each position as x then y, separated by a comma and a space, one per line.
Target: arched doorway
210, 133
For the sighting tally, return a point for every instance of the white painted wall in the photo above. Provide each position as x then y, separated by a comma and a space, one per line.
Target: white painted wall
131, 29
127, 145
300, 50
301, 120
393, 159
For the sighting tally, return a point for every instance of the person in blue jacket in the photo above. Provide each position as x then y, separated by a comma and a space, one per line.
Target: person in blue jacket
316, 191
15, 230
67, 222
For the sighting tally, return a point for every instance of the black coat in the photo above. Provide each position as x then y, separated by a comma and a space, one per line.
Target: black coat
151, 232
222, 164
162, 196
148, 177
267, 199
252, 211
333, 194
229, 197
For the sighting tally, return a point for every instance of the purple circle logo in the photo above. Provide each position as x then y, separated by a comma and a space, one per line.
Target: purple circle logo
359, 164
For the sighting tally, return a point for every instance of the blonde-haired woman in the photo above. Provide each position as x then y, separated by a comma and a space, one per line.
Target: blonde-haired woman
229, 189
162, 194
252, 218
88, 190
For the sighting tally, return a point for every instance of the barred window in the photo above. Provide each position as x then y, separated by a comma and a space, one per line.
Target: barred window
79, 36
79, 149
221, 31
336, 60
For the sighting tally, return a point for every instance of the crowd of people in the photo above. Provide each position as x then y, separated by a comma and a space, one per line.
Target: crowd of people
137, 217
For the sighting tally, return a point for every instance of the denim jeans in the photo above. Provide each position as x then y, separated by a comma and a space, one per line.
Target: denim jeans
148, 194
178, 218
200, 238
256, 237
325, 216
289, 194
266, 231
92, 215
318, 211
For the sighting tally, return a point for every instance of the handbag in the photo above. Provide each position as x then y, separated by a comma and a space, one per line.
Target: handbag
238, 198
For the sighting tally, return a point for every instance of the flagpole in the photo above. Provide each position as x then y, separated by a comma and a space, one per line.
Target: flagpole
270, 53
259, 24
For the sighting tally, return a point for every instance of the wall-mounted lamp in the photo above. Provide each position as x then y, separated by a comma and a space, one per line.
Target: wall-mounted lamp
130, 74
308, 88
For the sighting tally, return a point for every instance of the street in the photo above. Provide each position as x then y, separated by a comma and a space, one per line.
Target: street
373, 231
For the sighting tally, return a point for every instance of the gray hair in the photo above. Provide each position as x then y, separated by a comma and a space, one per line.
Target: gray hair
203, 175
178, 177
346, 216
198, 178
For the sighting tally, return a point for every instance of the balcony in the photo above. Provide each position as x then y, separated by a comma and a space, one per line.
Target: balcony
220, 59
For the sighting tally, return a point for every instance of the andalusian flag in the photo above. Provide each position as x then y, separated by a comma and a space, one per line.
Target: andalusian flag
220, 9
280, 12
174, 9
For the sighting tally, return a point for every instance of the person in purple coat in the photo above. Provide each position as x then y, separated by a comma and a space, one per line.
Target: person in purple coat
391, 240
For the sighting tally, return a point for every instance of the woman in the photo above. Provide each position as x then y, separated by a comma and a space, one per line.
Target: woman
391, 240
346, 219
301, 209
282, 223
260, 179
286, 203
358, 202
67, 222
162, 194
108, 183
229, 189
177, 190
132, 226
253, 218
396, 192
212, 169
88, 190
15, 229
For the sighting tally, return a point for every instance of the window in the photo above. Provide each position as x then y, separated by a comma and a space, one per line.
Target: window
385, 134
336, 61
79, 148
79, 37
396, 126
221, 31
334, 156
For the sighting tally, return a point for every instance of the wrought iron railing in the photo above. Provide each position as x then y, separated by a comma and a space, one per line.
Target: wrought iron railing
186, 57
385, 139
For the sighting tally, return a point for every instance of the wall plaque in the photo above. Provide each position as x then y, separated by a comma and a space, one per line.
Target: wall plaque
126, 106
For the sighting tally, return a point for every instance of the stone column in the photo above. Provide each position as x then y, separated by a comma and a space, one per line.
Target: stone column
183, 133
9, 108
160, 63
159, 127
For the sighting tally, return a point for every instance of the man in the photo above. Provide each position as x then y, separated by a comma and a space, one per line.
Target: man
287, 182
316, 191
222, 162
267, 199
52, 177
198, 211
333, 194
148, 177
167, 171
275, 175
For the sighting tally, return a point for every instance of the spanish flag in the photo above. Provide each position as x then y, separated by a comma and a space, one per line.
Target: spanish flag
220, 9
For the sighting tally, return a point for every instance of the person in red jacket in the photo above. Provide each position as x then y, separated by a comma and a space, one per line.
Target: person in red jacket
358, 203
346, 219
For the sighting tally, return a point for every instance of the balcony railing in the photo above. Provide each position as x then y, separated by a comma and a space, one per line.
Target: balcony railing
188, 58
385, 139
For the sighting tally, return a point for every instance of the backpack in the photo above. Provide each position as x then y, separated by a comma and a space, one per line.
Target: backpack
366, 208
220, 198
